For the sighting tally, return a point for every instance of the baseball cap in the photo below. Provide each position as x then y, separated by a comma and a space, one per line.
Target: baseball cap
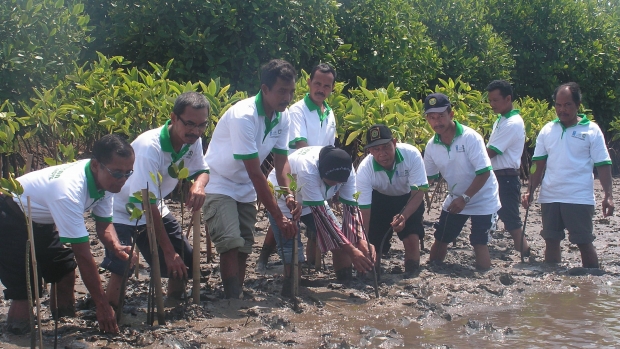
335, 164
436, 103
377, 135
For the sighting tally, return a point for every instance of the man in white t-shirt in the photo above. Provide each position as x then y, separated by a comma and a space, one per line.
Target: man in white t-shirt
322, 172
59, 197
505, 148
567, 150
178, 141
243, 138
458, 153
312, 122
390, 179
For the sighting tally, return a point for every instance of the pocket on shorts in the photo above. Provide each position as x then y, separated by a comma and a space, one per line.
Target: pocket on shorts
210, 211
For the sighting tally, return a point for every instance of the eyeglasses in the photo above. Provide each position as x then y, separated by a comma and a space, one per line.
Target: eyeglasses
118, 174
192, 125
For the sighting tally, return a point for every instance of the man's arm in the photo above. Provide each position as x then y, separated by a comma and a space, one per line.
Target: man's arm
415, 199
196, 195
90, 275
175, 266
534, 182
491, 153
457, 205
263, 192
107, 235
604, 175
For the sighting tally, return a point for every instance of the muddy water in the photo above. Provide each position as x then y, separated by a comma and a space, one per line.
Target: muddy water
587, 315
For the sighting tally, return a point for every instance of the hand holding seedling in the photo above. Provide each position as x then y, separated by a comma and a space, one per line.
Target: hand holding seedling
398, 223
456, 206
358, 257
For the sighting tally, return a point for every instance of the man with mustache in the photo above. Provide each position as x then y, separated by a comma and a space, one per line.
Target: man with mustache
156, 150
505, 148
567, 150
59, 197
312, 124
244, 136
458, 153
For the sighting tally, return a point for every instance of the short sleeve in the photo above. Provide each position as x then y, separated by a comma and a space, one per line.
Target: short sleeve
281, 145
505, 136
67, 210
347, 191
477, 155
417, 172
297, 129
540, 151
598, 149
198, 163
310, 189
363, 181
243, 131
432, 172
104, 208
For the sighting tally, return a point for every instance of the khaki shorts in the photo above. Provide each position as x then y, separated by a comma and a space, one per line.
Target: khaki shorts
576, 218
230, 223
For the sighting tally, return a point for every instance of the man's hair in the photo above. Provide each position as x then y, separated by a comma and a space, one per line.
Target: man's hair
325, 69
504, 87
193, 99
574, 89
274, 69
108, 145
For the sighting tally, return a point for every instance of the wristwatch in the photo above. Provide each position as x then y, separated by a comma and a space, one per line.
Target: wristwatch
466, 198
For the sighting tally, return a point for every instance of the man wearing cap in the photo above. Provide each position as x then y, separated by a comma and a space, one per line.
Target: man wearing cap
179, 140
59, 197
243, 138
567, 150
312, 124
322, 172
458, 153
391, 178
505, 148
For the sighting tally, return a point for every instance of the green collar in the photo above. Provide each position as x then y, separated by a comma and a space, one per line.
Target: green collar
510, 113
459, 131
269, 124
584, 121
166, 144
312, 107
398, 158
93, 192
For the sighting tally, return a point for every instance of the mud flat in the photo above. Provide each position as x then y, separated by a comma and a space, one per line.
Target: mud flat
451, 305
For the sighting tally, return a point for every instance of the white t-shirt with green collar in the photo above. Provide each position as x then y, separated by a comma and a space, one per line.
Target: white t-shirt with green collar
310, 125
61, 194
507, 140
571, 154
459, 163
407, 174
244, 132
154, 153
304, 165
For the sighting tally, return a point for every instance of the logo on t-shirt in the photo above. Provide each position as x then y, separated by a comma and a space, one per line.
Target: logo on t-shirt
275, 133
579, 135
404, 173
460, 148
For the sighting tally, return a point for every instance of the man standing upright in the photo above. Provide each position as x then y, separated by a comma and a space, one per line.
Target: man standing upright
244, 136
312, 123
156, 150
505, 148
569, 147
458, 153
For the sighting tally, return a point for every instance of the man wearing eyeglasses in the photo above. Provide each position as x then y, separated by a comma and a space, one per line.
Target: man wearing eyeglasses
59, 196
156, 151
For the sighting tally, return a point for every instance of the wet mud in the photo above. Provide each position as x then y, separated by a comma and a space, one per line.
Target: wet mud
447, 305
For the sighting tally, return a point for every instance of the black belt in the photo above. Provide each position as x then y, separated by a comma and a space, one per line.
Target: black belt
507, 172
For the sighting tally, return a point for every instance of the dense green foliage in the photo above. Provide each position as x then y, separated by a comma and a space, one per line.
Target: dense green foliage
39, 40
